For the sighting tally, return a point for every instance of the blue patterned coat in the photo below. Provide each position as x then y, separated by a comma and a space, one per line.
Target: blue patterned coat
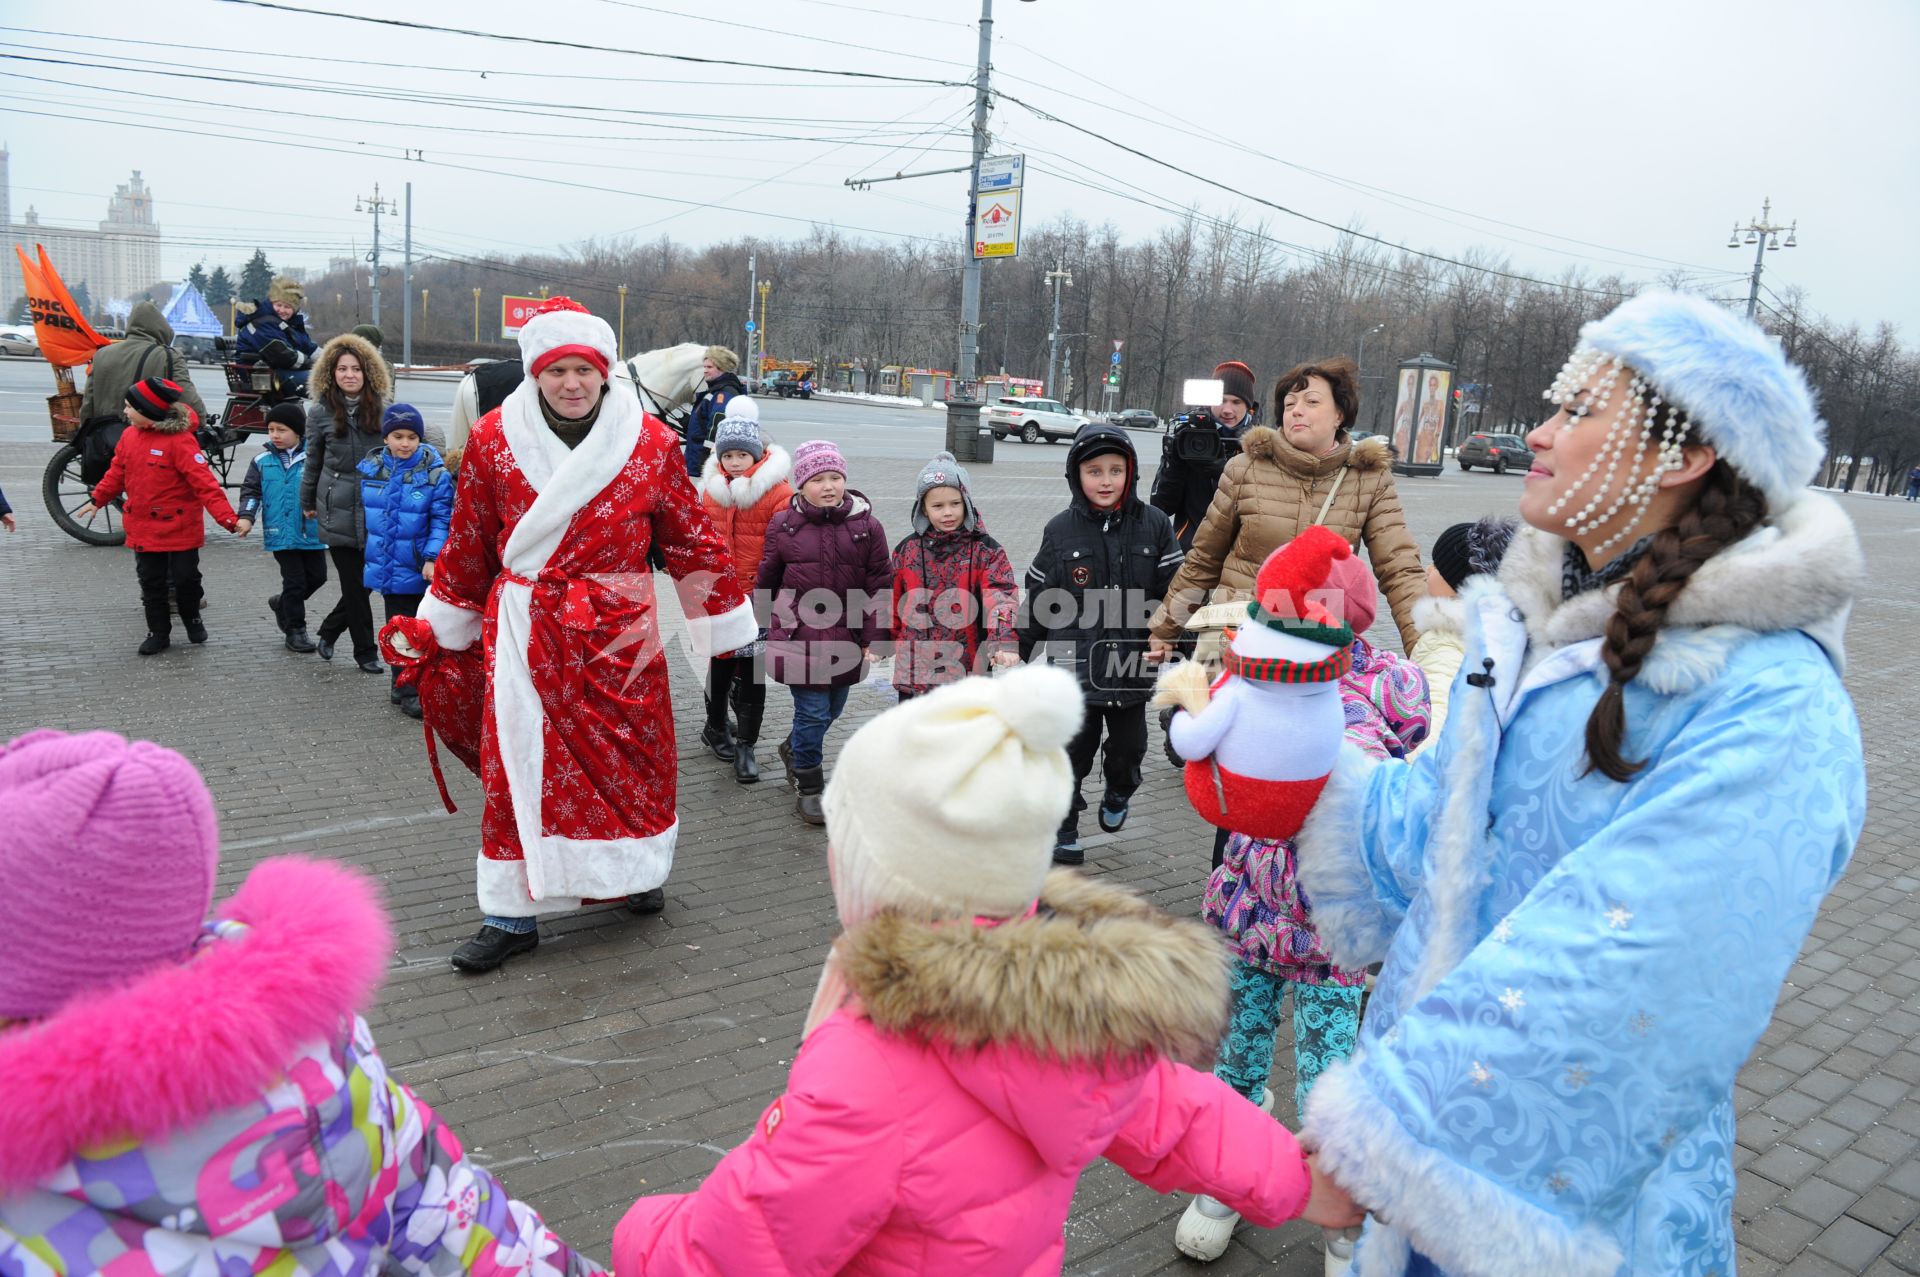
1575, 969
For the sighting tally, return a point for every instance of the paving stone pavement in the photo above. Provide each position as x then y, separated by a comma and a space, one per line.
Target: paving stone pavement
628, 1054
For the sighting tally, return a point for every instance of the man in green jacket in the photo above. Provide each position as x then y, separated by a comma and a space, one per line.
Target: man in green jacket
147, 351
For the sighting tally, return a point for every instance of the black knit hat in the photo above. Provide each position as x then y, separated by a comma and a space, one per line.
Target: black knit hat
1471, 549
154, 398
288, 414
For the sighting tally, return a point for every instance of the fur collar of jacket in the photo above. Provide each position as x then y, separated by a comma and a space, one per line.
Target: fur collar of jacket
744, 491
1098, 974
379, 382
187, 1040
1800, 570
179, 419
1264, 443
1439, 614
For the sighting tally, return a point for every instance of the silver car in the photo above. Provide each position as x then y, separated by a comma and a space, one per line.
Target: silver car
1034, 420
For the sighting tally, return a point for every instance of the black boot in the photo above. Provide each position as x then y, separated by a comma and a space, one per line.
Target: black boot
486, 951
812, 783
646, 902
410, 704
746, 768
718, 740
394, 694
196, 628
324, 646
273, 607
786, 760
297, 641
154, 644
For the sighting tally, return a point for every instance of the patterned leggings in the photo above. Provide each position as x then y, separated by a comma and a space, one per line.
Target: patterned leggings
1326, 1020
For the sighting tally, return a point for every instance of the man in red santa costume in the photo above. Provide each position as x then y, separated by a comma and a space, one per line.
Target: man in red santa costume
563, 490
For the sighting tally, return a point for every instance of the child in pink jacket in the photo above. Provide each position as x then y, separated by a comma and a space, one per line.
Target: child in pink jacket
983, 1030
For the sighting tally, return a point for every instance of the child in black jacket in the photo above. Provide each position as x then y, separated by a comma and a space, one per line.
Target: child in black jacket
1104, 563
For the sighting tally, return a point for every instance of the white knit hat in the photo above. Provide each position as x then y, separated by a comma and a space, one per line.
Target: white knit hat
562, 327
947, 805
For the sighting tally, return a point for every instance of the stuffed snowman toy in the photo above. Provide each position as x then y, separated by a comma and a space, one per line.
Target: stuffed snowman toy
1262, 740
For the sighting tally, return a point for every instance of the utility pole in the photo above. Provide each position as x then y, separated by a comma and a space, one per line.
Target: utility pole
476, 316
406, 280
623, 319
1057, 276
1766, 234
963, 416
753, 286
375, 205
760, 333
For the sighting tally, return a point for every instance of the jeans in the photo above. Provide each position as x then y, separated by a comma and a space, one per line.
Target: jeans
1326, 1022
1126, 732
156, 570
518, 926
302, 573
354, 612
731, 681
814, 709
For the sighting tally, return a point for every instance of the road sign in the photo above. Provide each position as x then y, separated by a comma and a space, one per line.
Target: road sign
515, 312
749, 325
996, 229
1117, 345
1116, 356
1001, 173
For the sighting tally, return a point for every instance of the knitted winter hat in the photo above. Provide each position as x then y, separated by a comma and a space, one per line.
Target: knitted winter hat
1237, 380
1470, 549
1352, 593
154, 398
739, 430
286, 290
561, 328
289, 414
109, 850
942, 472
369, 334
1733, 380
817, 456
723, 359
947, 806
402, 416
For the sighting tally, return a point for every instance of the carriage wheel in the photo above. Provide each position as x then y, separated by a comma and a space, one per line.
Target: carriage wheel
64, 491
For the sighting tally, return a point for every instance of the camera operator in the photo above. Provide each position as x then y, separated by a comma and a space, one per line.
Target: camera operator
1195, 452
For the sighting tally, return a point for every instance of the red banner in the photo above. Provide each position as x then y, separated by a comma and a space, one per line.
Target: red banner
65, 336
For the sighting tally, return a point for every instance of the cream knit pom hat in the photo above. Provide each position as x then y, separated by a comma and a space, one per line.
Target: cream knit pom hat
947, 805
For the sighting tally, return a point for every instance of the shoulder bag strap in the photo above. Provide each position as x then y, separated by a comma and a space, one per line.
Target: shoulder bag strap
1327, 505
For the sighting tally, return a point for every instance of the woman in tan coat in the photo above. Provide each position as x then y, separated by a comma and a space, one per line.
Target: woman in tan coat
1307, 471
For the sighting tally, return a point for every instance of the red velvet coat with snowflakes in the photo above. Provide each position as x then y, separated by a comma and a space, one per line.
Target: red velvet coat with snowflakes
546, 565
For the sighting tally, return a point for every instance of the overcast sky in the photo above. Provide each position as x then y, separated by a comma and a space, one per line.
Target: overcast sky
1626, 136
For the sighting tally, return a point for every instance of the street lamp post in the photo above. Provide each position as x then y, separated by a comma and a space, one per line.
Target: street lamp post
623, 318
476, 316
1360, 361
1766, 234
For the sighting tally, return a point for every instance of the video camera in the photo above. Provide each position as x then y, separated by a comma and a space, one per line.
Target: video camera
1195, 438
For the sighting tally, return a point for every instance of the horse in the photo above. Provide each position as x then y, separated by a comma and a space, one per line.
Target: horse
666, 380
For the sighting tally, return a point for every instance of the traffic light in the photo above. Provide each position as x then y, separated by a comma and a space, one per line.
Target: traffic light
1113, 378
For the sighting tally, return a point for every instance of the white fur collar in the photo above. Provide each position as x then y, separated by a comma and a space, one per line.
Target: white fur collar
743, 492
1446, 615
1798, 571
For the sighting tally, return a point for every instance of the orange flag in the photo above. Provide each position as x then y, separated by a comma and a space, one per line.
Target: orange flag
65, 336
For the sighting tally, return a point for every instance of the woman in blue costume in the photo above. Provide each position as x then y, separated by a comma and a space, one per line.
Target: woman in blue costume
1588, 893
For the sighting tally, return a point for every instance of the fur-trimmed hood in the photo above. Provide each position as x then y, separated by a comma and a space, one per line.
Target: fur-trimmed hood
1798, 571
1437, 614
1264, 443
177, 422
1096, 975
189, 1040
743, 492
379, 380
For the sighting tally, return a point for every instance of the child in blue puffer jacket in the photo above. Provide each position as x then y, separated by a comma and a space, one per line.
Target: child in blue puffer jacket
407, 495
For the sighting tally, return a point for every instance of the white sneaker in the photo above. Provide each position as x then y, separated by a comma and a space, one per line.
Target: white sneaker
1340, 1251
1205, 1229
1266, 1101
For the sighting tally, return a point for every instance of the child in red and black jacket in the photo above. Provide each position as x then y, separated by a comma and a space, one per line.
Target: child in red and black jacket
163, 473
955, 602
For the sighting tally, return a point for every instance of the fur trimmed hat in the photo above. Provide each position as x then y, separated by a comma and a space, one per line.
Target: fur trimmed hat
739, 429
947, 806
723, 359
1733, 381
286, 290
562, 327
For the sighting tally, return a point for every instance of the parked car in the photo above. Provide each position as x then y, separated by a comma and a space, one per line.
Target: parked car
1135, 419
1500, 452
784, 383
1034, 420
18, 344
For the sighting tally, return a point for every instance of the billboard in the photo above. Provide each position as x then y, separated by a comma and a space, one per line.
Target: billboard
996, 225
1435, 391
515, 312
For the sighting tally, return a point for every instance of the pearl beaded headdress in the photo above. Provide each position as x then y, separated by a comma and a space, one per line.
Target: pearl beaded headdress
1633, 427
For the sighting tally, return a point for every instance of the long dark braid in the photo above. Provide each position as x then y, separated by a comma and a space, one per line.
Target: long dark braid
1727, 510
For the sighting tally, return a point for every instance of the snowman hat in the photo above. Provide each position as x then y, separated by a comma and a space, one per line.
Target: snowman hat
1295, 638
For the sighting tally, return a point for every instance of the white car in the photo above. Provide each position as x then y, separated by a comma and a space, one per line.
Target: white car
14, 342
1034, 420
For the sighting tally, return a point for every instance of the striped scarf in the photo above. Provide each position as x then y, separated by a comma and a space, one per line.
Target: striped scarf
1277, 669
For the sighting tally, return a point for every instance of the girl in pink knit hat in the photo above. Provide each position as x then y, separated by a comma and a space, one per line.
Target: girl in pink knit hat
204, 1094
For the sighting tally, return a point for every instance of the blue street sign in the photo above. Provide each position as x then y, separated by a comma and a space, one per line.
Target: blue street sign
749, 325
1116, 356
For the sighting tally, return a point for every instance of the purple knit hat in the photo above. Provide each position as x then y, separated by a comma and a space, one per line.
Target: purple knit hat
817, 456
108, 851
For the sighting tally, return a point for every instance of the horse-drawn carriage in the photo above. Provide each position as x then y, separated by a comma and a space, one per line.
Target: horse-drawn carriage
86, 450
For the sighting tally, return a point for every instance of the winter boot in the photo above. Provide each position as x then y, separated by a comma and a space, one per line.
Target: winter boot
154, 644
196, 628
298, 641
650, 901
1207, 1226
746, 768
410, 704
718, 740
811, 782
493, 946
1113, 812
746, 734
786, 760
394, 694
273, 608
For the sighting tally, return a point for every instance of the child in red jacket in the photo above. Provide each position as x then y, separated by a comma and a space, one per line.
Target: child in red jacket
983, 1030
161, 470
954, 597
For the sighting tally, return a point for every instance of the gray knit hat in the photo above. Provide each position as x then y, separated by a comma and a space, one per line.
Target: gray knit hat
944, 471
739, 430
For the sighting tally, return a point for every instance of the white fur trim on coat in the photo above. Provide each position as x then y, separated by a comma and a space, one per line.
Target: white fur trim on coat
454, 627
1353, 924
726, 632
743, 492
1464, 1222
